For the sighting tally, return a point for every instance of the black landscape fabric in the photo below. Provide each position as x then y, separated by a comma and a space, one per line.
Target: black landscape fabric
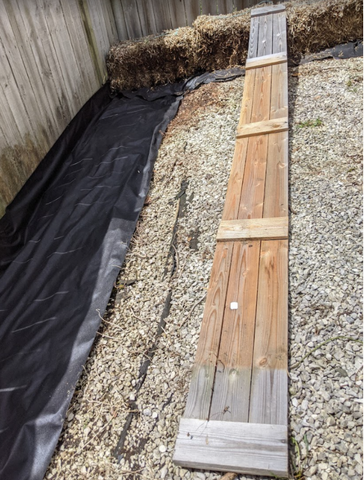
62, 241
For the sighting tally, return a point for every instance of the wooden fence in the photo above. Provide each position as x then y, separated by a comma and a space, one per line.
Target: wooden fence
52, 59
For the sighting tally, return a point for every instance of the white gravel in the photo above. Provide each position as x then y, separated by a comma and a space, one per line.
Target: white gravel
325, 290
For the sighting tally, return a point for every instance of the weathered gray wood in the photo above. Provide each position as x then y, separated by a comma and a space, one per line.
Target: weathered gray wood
265, 42
120, 21
253, 38
232, 447
279, 33
178, 14
208, 7
192, 8
132, 18
225, 7
266, 11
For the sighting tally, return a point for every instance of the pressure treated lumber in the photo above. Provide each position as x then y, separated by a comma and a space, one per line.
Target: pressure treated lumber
266, 60
232, 446
236, 412
253, 228
274, 125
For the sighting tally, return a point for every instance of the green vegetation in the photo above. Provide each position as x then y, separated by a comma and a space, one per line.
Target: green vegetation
310, 123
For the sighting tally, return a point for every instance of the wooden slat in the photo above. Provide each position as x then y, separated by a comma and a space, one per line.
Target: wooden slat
265, 40
279, 33
232, 447
230, 401
253, 228
264, 61
203, 372
267, 10
274, 125
253, 38
178, 15
268, 398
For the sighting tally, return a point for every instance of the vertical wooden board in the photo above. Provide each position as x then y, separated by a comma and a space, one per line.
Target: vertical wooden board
265, 41
109, 21
65, 56
178, 14
230, 400
276, 183
233, 194
148, 20
208, 7
268, 401
162, 15
252, 195
248, 96
279, 95
119, 17
80, 47
225, 7
192, 8
279, 32
253, 38
203, 372
20, 93
132, 20
262, 95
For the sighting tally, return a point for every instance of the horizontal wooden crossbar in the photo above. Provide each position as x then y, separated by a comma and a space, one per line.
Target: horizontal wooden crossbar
274, 125
257, 449
267, 10
266, 60
254, 228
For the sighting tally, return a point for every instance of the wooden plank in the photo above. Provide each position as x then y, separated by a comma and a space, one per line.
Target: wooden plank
265, 42
132, 20
274, 125
279, 33
264, 61
253, 38
120, 21
225, 7
203, 372
232, 447
230, 400
248, 97
178, 14
268, 400
208, 7
192, 9
233, 194
253, 228
162, 16
267, 10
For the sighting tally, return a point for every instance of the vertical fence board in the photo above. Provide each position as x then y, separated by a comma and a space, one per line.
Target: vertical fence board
120, 21
208, 7
132, 20
178, 14
192, 8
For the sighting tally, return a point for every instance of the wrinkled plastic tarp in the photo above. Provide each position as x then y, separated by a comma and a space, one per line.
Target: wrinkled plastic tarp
62, 241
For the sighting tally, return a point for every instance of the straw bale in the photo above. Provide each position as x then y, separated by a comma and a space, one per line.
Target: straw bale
218, 42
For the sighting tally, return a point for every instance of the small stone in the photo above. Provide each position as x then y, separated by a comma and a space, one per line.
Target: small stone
163, 472
162, 448
147, 412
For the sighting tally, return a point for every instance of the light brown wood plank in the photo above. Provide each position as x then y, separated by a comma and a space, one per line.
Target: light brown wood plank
267, 10
248, 97
230, 400
253, 228
232, 447
233, 194
268, 400
264, 61
203, 372
276, 183
274, 125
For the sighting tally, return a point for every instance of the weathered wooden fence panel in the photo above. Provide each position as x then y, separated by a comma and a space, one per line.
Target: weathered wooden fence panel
52, 59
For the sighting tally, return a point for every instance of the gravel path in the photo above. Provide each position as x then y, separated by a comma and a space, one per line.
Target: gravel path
171, 257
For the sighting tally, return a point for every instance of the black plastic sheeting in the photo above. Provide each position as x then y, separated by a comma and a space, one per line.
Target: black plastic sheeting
62, 241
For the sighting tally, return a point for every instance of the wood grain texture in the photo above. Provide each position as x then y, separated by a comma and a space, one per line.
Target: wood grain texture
263, 127
268, 400
232, 446
267, 10
265, 60
203, 372
230, 401
254, 228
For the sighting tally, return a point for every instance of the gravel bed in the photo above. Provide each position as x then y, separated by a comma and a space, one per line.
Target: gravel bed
172, 252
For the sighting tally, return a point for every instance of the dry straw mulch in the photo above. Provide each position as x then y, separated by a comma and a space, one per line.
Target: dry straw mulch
218, 42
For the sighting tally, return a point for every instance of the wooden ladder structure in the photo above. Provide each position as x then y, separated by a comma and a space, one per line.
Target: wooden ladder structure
236, 414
